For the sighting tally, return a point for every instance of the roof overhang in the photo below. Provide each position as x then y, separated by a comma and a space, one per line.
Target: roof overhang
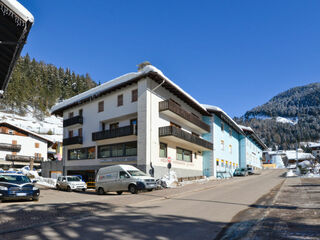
255, 138
15, 24
152, 75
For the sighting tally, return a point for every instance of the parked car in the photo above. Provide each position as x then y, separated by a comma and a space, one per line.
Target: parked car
250, 170
15, 186
240, 172
70, 183
122, 178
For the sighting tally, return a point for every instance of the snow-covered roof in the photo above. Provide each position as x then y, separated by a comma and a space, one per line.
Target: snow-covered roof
120, 81
216, 109
314, 145
27, 131
292, 154
246, 128
18, 9
249, 131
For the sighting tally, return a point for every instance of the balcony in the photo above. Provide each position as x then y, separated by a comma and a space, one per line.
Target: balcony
10, 147
20, 158
173, 110
72, 140
177, 135
73, 121
114, 133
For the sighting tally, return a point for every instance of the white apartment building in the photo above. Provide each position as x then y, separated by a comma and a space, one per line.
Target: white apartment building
18, 146
142, 119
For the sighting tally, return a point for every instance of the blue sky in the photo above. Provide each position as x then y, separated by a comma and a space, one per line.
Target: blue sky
229, 53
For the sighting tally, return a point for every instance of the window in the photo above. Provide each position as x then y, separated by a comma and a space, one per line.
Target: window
222, 145
82, 153
184, 155
195, 155
217, 162
103, 126
113, 125
120, 100
80, 132
163, 150
36, 145
80, 112
123, 174
101, 106
10, 132
70, 114
118, 150
14, 142
222, 126
134, 95
70, 134
230, 148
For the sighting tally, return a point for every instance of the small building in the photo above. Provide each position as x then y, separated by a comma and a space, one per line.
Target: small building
142, 119
18, 147
315, 148
293, 156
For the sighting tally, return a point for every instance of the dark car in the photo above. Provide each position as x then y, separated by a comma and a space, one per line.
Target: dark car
240, 172
17, 186
250, 171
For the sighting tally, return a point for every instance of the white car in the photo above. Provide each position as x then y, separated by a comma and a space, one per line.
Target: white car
70, 183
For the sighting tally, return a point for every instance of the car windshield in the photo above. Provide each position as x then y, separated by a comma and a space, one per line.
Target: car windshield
136, 173
73, 179
17, 179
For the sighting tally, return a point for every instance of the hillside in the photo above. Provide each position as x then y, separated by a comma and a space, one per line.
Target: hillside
289, 117
35, 87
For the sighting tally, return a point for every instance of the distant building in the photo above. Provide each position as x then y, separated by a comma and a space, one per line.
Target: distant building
18, 146
292, 157
315, 150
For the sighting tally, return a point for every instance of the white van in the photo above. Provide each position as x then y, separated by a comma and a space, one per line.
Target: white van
121, 178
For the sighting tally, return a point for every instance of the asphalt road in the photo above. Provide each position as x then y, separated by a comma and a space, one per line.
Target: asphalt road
198, 211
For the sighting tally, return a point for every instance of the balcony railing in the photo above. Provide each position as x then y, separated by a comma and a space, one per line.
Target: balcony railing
10, 147
175, 108
20, 158
114, 133
72, 140
177, 132
73, 121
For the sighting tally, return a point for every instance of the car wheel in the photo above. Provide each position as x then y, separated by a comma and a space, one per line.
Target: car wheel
68, 189
35, 199
83, 189
101, 191
133, 189
58, 187
119, 192
150, 190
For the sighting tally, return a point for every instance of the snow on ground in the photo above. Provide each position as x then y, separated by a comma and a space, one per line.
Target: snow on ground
292, 121
51, 124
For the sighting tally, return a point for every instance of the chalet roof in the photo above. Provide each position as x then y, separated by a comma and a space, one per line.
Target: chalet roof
11, 126
224, 116
15, 24
125, 80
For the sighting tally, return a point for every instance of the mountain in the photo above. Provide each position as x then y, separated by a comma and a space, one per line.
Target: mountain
35, 87
289, 117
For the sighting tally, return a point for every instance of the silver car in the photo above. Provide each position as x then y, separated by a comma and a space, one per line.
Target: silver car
70, 183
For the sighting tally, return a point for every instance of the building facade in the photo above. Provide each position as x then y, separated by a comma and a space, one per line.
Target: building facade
142, 119
19, 146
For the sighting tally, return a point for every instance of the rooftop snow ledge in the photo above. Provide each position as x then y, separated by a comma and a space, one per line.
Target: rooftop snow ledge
117, 81
18, 9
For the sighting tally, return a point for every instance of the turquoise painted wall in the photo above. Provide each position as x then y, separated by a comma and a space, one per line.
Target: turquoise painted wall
207, 155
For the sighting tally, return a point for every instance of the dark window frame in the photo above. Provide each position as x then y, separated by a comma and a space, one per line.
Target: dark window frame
120, 100
87, 154
100, 106
166, 150
134, 95
184, 150
111, 147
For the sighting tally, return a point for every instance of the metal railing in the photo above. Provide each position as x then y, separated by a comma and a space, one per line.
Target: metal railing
179, 133
114, 133
72, 140
175, 108
72, 121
